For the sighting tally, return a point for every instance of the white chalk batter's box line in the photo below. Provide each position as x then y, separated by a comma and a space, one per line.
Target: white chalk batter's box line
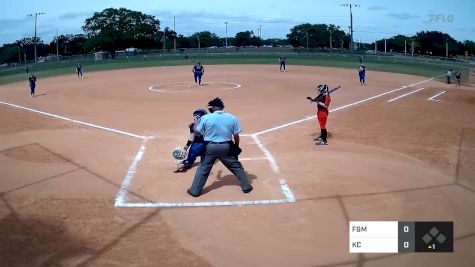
121, 199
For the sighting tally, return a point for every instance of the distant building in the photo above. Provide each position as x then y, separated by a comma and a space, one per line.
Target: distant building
101, 55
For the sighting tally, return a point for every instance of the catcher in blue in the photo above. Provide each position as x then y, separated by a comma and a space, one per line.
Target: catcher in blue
195, 143
198, 71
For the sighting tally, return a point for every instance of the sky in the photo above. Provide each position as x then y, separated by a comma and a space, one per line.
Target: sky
372, 20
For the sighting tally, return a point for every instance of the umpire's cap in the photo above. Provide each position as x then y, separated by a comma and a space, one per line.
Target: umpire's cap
217, 102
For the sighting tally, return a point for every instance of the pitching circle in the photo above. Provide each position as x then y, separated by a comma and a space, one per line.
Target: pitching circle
188, 85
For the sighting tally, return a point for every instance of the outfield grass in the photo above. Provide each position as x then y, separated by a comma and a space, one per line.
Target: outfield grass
372, 63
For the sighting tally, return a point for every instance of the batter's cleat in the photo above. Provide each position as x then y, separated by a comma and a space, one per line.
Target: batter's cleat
248, 190
321, 143
317, 139
179, 167
192, 194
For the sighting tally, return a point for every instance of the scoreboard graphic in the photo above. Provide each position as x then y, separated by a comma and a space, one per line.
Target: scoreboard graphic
399, 237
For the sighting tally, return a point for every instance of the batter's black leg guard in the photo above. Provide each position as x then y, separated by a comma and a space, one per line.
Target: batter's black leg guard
324, 134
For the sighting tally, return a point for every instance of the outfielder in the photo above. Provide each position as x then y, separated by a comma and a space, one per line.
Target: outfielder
195, 142
198, 71
323, 101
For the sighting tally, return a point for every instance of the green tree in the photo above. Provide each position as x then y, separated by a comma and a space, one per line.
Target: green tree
68, 44
317, 35
28, 47
434, 43
206, 38
113, 29
247, 38
396, 43
9, 53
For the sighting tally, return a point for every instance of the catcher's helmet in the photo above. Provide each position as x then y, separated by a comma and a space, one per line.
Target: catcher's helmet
322, 88
199, 113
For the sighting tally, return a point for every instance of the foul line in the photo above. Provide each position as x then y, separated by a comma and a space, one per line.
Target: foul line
74, 121
267, 153
404, 95
432, 98
339, 108
285, 188
121, 198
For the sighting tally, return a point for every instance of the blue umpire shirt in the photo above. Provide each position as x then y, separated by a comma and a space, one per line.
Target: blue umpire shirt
219, 126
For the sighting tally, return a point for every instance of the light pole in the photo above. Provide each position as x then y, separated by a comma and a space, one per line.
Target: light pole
57, 46
405, 47
36, 20
199, 44
164, 41
260, 31
226, 35
306, 33
174, 36
331, 42
351, 24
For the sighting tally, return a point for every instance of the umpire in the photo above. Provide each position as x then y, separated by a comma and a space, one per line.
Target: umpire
219, 129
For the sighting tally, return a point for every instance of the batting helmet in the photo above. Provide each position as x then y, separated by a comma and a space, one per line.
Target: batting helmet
199, 113
322, 88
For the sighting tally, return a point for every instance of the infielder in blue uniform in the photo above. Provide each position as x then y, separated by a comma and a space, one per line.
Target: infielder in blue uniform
282, 63
32, 80
195, 143
198, 71
79, 70
362, 74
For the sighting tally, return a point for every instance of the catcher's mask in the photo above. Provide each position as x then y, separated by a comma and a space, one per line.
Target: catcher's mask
322, 88
199, 113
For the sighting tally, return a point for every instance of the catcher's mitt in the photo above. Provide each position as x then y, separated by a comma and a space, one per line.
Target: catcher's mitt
179, 153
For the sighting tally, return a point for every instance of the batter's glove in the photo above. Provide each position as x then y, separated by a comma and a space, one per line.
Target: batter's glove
179, 153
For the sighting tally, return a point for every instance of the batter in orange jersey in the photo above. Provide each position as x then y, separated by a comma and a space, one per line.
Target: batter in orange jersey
323, 102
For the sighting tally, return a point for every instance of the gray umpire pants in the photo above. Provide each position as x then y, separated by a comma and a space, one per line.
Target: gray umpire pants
214, 152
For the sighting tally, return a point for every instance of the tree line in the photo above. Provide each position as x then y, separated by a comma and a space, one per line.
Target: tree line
117, 29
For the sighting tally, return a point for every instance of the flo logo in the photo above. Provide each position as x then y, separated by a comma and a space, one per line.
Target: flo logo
443, 18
